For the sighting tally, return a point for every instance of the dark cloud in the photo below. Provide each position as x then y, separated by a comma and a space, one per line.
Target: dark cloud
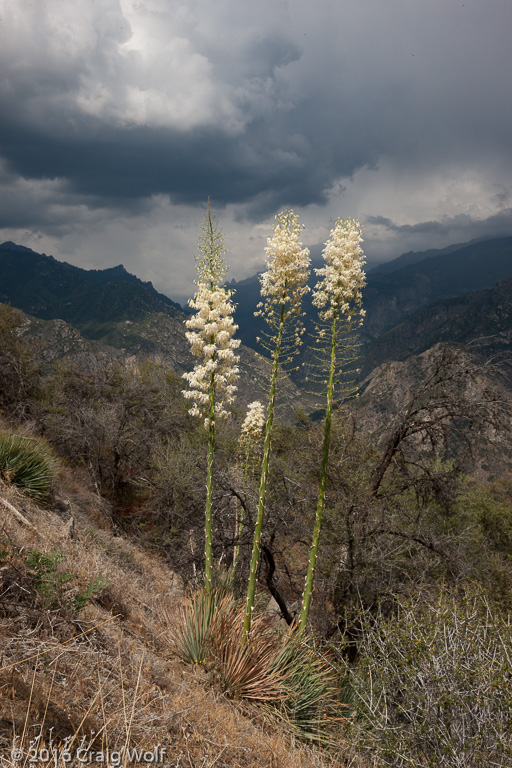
303, 124
499, 223
107, 106
113, 166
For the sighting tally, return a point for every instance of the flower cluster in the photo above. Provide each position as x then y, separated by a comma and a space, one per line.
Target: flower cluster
343, 277
253, 424
210, 264
284, 284
210, 335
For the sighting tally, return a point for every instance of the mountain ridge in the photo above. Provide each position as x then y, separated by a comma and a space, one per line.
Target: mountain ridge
391, 297
58, 282
408, 309
483, 317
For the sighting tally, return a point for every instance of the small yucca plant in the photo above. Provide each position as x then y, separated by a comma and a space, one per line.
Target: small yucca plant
289, 681
210, 633
189, 640
311, 707
244, 670
27, 463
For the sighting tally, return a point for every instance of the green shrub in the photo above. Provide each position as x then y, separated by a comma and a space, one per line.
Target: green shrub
433, 685
54, 585
27, 462
95, 586
48, 580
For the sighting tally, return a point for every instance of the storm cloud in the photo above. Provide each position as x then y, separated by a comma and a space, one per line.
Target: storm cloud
124, 111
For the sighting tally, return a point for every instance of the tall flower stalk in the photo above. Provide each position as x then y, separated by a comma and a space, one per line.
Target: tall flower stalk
251, 434
212, 383
338, 298
283, 286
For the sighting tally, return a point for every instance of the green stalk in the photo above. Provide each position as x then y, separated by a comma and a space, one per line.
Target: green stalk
208, 558
240, 521
310, 576
251, 589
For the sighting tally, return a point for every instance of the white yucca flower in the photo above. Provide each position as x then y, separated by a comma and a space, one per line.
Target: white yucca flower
253, 424
284, 284
210, 334
338, 298
343, 277
283, 287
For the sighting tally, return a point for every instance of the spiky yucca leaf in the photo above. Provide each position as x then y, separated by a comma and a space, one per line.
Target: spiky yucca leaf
27, 462
312, 708
244, 670
189, 640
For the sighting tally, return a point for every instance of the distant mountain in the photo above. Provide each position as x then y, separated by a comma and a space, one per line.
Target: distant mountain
246, 297
455, 295
50, 289
390, 298
412, 257
107, 315
482, 317
412, 281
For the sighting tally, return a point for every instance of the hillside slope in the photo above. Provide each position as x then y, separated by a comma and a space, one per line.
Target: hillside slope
103, 677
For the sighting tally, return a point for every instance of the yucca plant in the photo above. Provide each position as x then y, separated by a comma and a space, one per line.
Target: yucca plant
189, 640
283, 286
338, 297
249, 444
27, 463
212, 382
244, 670
311, 708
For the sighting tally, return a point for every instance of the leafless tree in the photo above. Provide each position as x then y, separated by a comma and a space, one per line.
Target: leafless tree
460, 403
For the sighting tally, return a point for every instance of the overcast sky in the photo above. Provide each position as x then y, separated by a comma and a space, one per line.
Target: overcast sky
118, 118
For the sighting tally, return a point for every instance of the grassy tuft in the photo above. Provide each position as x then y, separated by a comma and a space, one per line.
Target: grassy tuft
27, 463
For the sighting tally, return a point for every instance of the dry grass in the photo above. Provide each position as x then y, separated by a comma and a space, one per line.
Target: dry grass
104, 675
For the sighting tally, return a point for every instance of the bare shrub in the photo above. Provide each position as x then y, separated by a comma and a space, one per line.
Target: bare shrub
432, 686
